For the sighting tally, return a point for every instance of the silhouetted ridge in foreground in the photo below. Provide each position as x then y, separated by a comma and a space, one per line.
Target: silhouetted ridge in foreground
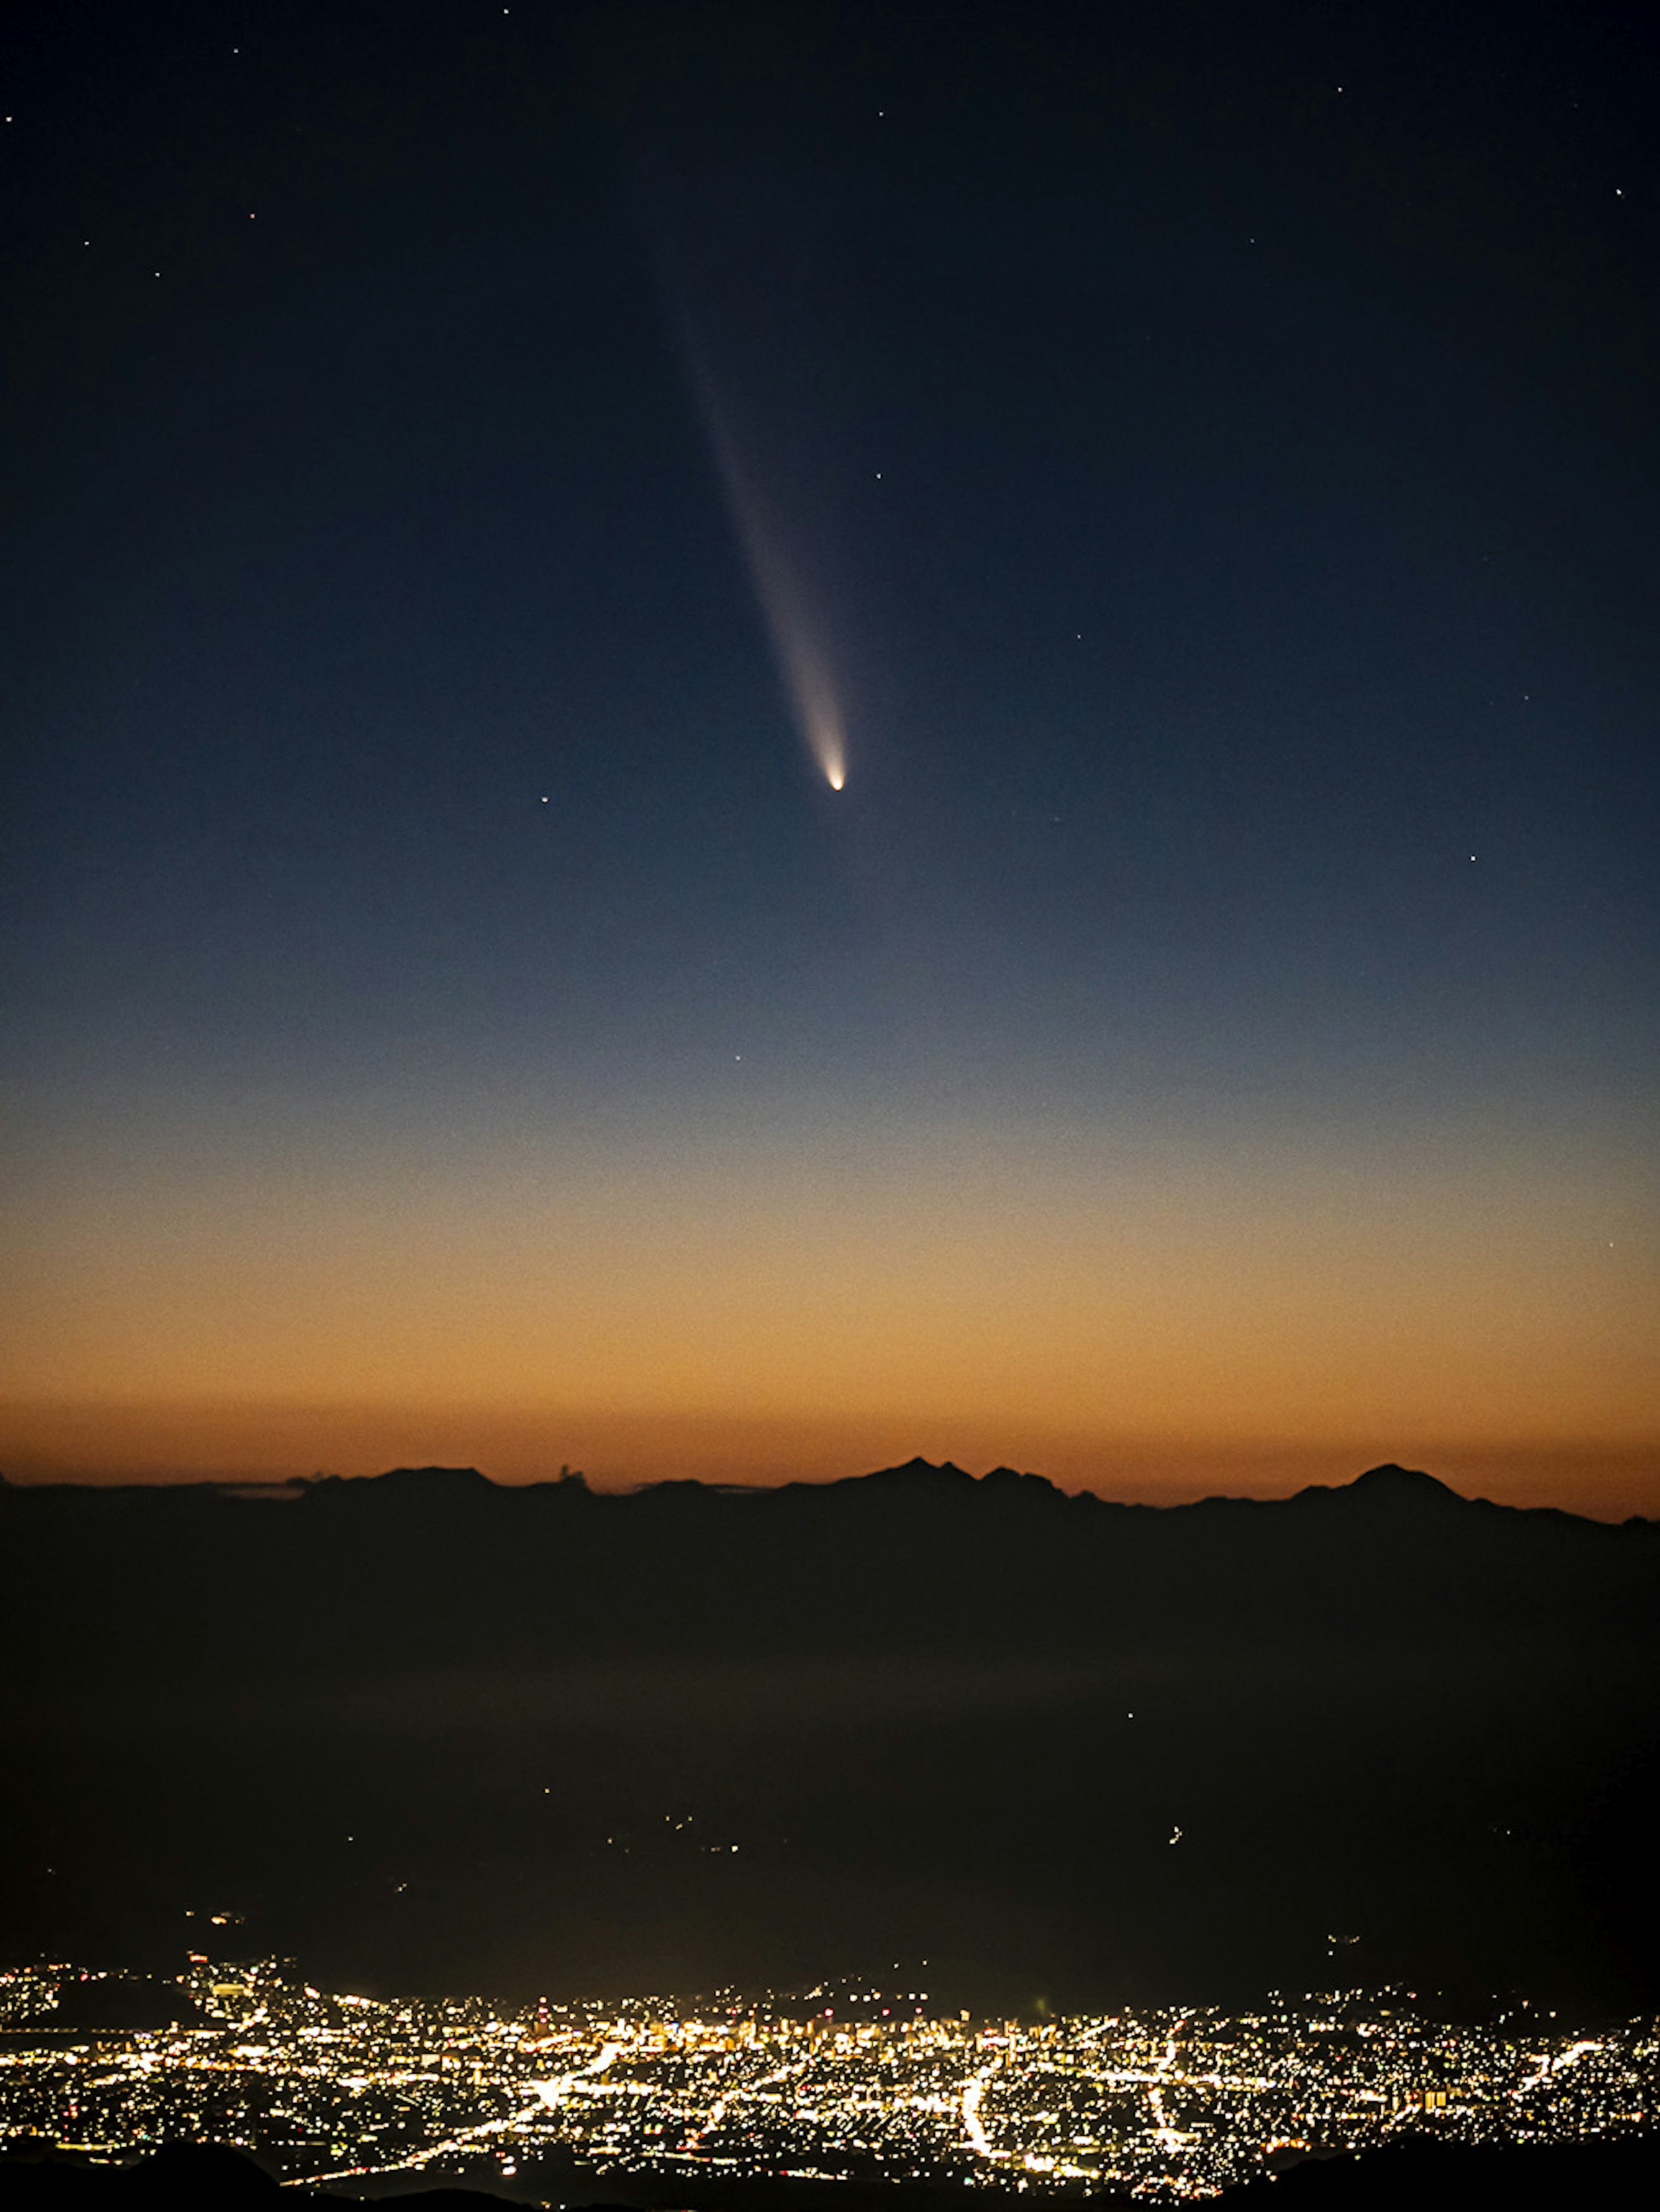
426, 1732
187, 2178
1427, 2176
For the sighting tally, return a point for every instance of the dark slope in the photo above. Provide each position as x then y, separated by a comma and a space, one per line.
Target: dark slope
428, 1731
386, 1568
1429, 2176
184, 2177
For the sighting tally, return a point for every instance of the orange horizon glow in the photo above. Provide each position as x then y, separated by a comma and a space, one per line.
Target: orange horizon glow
137, 1442
795, 1297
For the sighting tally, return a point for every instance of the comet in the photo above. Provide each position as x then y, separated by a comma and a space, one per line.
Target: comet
779, 588
801, 660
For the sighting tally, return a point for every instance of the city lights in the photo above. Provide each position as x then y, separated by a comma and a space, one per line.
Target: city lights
1166, 2105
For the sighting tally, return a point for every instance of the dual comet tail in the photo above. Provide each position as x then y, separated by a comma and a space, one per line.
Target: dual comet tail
779, 589
800, 658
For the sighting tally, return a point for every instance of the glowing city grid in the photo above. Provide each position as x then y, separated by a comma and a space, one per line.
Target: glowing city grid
853, 2082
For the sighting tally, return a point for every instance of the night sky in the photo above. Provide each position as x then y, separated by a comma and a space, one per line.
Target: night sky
476, 477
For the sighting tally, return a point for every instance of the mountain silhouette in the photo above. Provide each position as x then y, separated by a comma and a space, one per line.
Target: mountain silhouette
422, 1731
1394, 1488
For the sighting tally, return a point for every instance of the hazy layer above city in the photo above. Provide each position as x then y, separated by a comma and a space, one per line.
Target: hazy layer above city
424, 1733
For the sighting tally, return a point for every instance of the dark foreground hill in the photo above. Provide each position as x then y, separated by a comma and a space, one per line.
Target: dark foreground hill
427, 1564
425, 1732
1428, 2176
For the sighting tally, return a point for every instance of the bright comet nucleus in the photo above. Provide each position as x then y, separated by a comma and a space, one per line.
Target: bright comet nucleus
780, 587
801, 657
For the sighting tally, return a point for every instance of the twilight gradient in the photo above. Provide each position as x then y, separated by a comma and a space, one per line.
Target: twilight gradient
1191, 480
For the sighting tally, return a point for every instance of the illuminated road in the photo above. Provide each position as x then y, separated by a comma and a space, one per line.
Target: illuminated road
791, 2070
979, 2142
549, 2095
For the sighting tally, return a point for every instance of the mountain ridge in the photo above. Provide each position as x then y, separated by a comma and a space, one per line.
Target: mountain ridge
1387, 1487
413, 1722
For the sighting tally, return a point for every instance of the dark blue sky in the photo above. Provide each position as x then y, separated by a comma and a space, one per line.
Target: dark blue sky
1215, 450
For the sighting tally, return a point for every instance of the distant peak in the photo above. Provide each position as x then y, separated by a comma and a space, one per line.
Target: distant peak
921, 1477
1011, 1481
408, 1482
436, 1478
918, 1474
1391, 1480
1389, 1486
